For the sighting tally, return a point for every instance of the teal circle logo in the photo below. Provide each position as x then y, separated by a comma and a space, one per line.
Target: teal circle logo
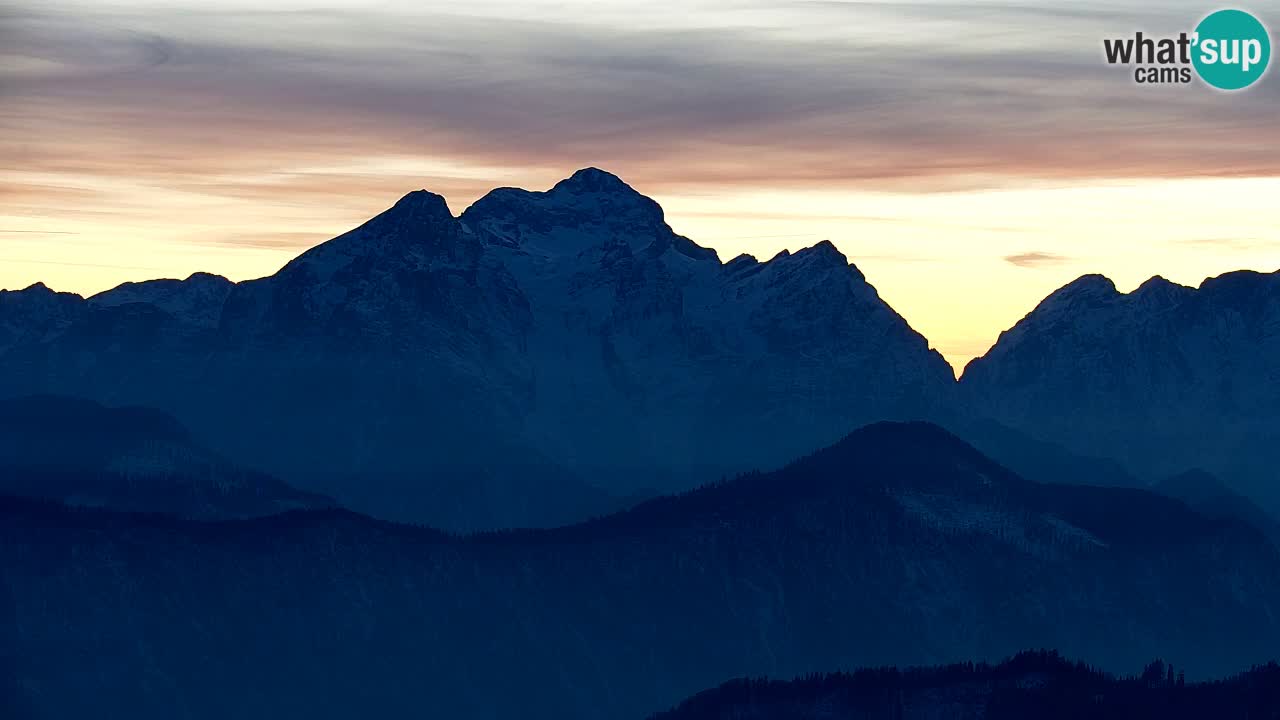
1232, 49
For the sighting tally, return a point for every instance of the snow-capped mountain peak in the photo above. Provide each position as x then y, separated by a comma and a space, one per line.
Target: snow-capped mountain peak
590, 209
594, 180
1090, 289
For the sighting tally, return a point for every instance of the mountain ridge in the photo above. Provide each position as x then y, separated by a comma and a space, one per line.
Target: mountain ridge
1153, 294
128, 459
1163, 379
897, 557
917, 450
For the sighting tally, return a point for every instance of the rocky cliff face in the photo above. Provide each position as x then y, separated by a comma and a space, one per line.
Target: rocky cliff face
648, 346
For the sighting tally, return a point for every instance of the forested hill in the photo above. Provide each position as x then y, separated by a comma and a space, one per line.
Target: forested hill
1039, 685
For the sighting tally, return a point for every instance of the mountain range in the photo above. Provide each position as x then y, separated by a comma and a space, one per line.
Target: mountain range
291, 496
81, 453
900, 544
540, 358
548, 356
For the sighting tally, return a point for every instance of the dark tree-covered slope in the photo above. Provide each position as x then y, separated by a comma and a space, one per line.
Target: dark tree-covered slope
1030, 685
899, 545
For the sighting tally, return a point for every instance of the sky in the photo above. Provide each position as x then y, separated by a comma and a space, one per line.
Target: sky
969, 156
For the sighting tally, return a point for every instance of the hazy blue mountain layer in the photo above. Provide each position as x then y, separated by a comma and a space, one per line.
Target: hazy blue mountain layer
133, 459
898, 545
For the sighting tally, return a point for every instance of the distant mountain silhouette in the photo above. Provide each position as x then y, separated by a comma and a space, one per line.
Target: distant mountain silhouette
1029, 685
82, 453
1164, 378
489, 370
1038, 459
898, 545
1208, 496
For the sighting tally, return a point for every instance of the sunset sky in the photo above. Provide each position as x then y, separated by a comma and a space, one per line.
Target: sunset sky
969, 156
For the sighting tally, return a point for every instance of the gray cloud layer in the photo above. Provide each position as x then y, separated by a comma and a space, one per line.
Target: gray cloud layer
924, 96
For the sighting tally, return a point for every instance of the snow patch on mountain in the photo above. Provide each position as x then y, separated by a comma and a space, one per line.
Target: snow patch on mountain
1029, 532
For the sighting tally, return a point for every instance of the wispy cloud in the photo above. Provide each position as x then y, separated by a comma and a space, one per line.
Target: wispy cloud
294, 241
36, 232
68, 263
821, 94
1035, 259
